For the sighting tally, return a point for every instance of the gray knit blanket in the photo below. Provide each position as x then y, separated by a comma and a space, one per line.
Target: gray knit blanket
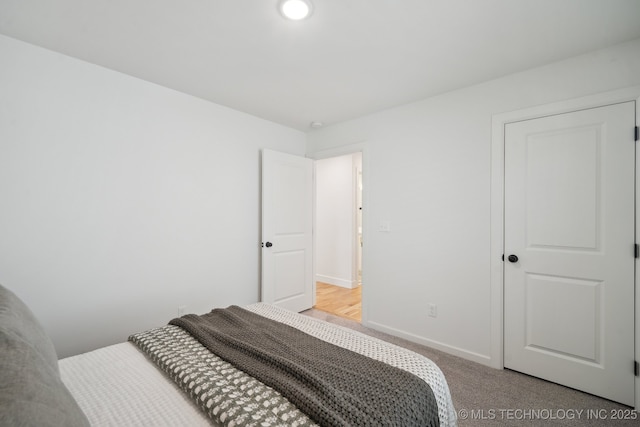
332, 385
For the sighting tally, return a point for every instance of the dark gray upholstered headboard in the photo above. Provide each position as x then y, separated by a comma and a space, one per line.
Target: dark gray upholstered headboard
31, 391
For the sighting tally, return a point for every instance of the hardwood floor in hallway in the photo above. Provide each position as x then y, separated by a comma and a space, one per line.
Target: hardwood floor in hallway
340, 301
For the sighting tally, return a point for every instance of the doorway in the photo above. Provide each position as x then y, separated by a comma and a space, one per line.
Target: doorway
339, 235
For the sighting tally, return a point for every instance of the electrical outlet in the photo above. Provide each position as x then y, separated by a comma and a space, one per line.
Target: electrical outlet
433, 310
181, 310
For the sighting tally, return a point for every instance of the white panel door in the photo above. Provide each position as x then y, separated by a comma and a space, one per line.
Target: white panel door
569, 219
287, 203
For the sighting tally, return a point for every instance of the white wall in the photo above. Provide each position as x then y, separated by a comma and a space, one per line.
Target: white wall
121, 199
335, 221
428, 168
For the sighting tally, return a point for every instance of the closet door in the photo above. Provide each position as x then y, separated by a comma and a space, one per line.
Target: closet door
569, 249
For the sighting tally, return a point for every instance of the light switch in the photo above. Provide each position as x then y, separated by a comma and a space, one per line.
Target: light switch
384, 227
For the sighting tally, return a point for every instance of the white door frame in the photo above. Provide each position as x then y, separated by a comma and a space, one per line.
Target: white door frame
337, 152
499, 121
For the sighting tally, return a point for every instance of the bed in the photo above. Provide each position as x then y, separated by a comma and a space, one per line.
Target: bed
167, 377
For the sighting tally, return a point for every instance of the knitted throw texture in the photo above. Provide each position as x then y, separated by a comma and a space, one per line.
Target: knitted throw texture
332, 385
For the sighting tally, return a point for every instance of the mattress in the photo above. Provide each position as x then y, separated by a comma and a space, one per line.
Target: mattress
120, 386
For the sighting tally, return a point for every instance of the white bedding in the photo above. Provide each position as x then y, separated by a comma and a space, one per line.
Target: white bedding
119, 386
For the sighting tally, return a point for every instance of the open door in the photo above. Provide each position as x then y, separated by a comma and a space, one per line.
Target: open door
287, 242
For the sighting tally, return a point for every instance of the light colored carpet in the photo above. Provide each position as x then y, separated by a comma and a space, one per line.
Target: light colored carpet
488, 397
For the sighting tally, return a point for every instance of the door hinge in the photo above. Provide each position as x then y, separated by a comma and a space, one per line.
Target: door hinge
502, 257
637, 133
636, 368
636, 250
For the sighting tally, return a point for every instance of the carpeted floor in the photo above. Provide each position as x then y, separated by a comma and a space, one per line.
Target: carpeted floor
488, 397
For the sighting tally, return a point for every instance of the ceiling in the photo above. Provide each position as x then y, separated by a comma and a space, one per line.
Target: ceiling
351, 58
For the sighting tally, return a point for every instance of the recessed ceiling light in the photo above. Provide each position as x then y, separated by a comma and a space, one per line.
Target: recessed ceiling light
295, 9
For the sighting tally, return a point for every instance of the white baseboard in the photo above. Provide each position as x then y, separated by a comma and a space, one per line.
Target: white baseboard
344, 283
465, 354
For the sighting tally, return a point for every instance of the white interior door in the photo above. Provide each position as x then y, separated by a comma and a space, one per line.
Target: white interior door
287, 209
569, 219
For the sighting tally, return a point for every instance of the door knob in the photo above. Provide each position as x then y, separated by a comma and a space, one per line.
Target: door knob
513, 258
269, 244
